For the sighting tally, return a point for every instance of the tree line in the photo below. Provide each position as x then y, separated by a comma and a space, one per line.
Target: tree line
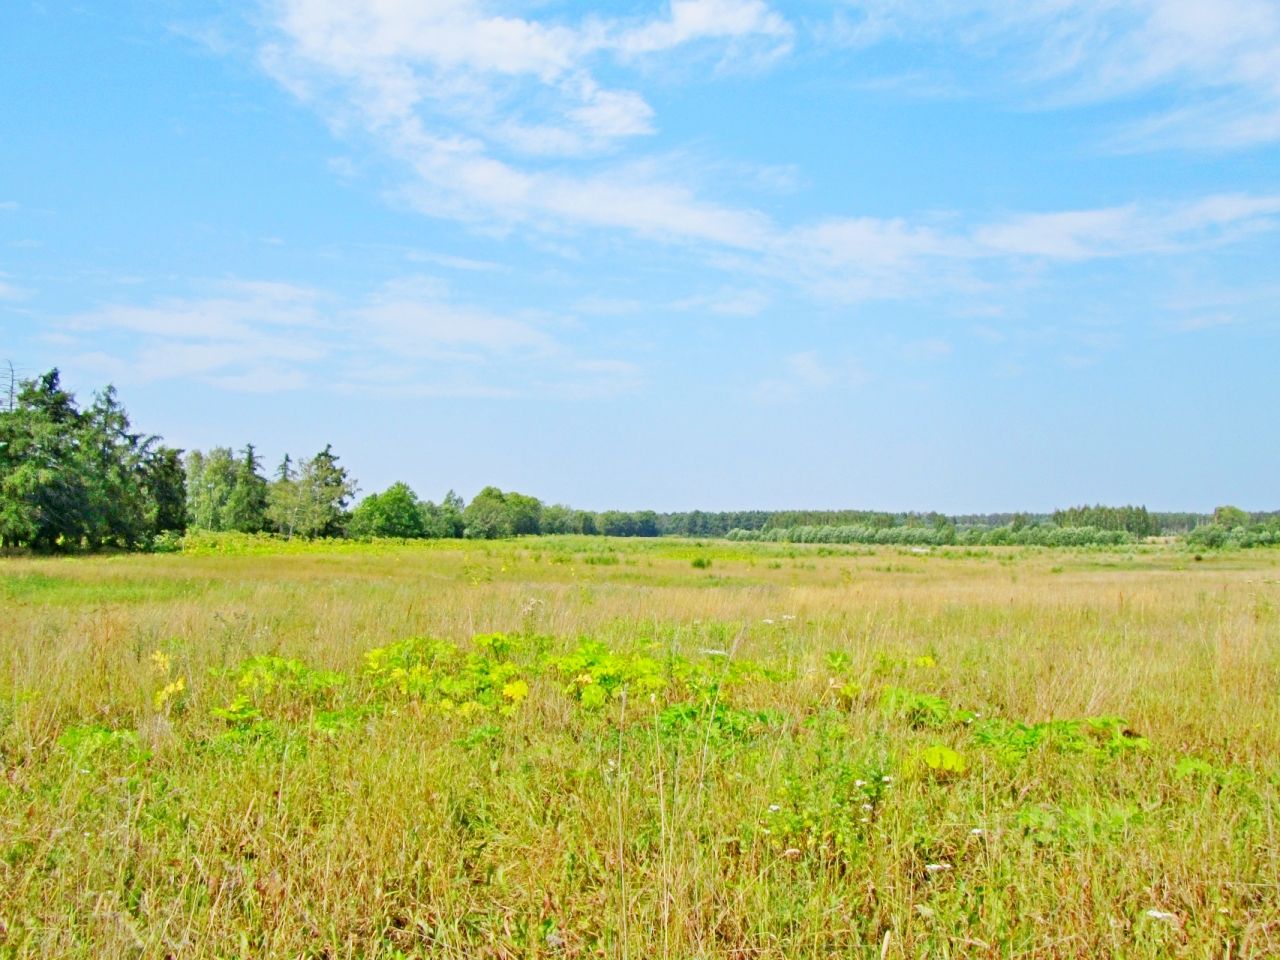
85, 478
1008, 535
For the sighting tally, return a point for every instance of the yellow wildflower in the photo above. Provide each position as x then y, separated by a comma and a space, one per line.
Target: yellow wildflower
169, 691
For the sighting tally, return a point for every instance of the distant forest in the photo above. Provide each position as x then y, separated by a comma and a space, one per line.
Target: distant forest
84, 478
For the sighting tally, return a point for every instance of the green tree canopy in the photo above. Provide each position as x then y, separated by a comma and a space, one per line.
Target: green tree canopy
312, 500
487, 516
1230, 517
246, 507
71, 478
395, 512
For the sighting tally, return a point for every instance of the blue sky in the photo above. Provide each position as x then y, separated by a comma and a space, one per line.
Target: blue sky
705, 254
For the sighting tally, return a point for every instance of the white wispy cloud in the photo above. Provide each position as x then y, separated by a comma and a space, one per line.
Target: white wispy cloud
415, 318
249, 335
523, 84
451, 261
1131, 229
1219, 59
928, 348
727, 302
477, 107
410, 337
9, 291
809, 372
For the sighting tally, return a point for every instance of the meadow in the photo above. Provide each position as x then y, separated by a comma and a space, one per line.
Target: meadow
586, 747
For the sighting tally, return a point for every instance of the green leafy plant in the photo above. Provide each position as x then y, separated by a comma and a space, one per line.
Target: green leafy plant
452, 680
942, 762
596, 674
921, 710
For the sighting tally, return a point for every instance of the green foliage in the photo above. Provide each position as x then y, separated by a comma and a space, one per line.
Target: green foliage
1134, 520
1230, 517
1245, 535
240, 712
921, 710
271, 688
1189, 767
443, 521
827, 811
717, 722
87, 742
442, 675
268, 674
942, 761
70, 478
393, 513
595, 674
616, 523
558, 518
226, 492
311, 501
487, 516
1078, 826
1013, 534
1102, 736
525, 513
246, 509
494, 515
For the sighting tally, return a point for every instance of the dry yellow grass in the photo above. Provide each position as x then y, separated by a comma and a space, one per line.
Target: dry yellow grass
138, 823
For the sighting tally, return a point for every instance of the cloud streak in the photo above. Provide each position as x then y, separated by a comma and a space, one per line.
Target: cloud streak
1219, 60
408, 337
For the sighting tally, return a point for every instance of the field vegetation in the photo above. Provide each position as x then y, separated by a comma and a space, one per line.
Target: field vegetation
589, 747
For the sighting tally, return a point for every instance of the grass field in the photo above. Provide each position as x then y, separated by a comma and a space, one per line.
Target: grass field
579, 747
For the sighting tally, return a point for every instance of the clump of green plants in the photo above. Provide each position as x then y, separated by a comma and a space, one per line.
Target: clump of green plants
440, 674
921, 710
717, 722
594, 674
268, 674
277, 688
87, 743
939, 761
1077, 826
841, 685
1100, 736
826, 813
